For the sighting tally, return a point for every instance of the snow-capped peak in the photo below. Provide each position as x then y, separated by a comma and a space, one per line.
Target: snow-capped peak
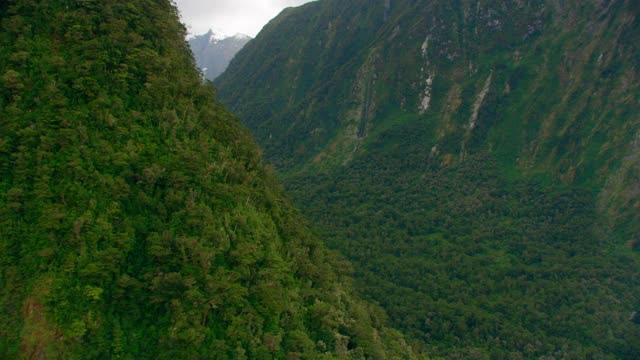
219, 35
216, 35
240, 36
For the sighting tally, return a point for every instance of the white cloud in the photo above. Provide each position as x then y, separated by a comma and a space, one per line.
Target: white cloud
231, 16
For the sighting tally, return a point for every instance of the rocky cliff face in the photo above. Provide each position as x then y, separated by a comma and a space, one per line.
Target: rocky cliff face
434, 59
499, 136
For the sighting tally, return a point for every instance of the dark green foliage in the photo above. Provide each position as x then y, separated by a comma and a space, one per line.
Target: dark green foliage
477, 161
466, 262
137, 219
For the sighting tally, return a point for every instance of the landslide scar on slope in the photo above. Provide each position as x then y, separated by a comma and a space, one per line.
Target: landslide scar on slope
37, 334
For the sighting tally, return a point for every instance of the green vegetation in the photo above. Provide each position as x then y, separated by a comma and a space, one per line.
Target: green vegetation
469, 264
477, 161
137, 219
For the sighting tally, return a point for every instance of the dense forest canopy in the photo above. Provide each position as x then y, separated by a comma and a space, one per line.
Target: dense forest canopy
477, 161
137, 218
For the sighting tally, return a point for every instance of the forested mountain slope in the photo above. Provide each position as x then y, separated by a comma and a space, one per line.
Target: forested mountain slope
478, 161
137, 219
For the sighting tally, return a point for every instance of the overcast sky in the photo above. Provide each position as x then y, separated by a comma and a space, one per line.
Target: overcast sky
231, 16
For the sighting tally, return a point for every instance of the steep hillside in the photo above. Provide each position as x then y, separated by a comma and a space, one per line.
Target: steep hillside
476, 160
137, 219
213, 53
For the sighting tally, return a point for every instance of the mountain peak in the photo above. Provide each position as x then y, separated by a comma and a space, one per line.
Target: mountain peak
241, 36
217, 35
214, 50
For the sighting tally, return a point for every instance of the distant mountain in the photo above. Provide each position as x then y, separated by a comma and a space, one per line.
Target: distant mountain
477, 160
213, 52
